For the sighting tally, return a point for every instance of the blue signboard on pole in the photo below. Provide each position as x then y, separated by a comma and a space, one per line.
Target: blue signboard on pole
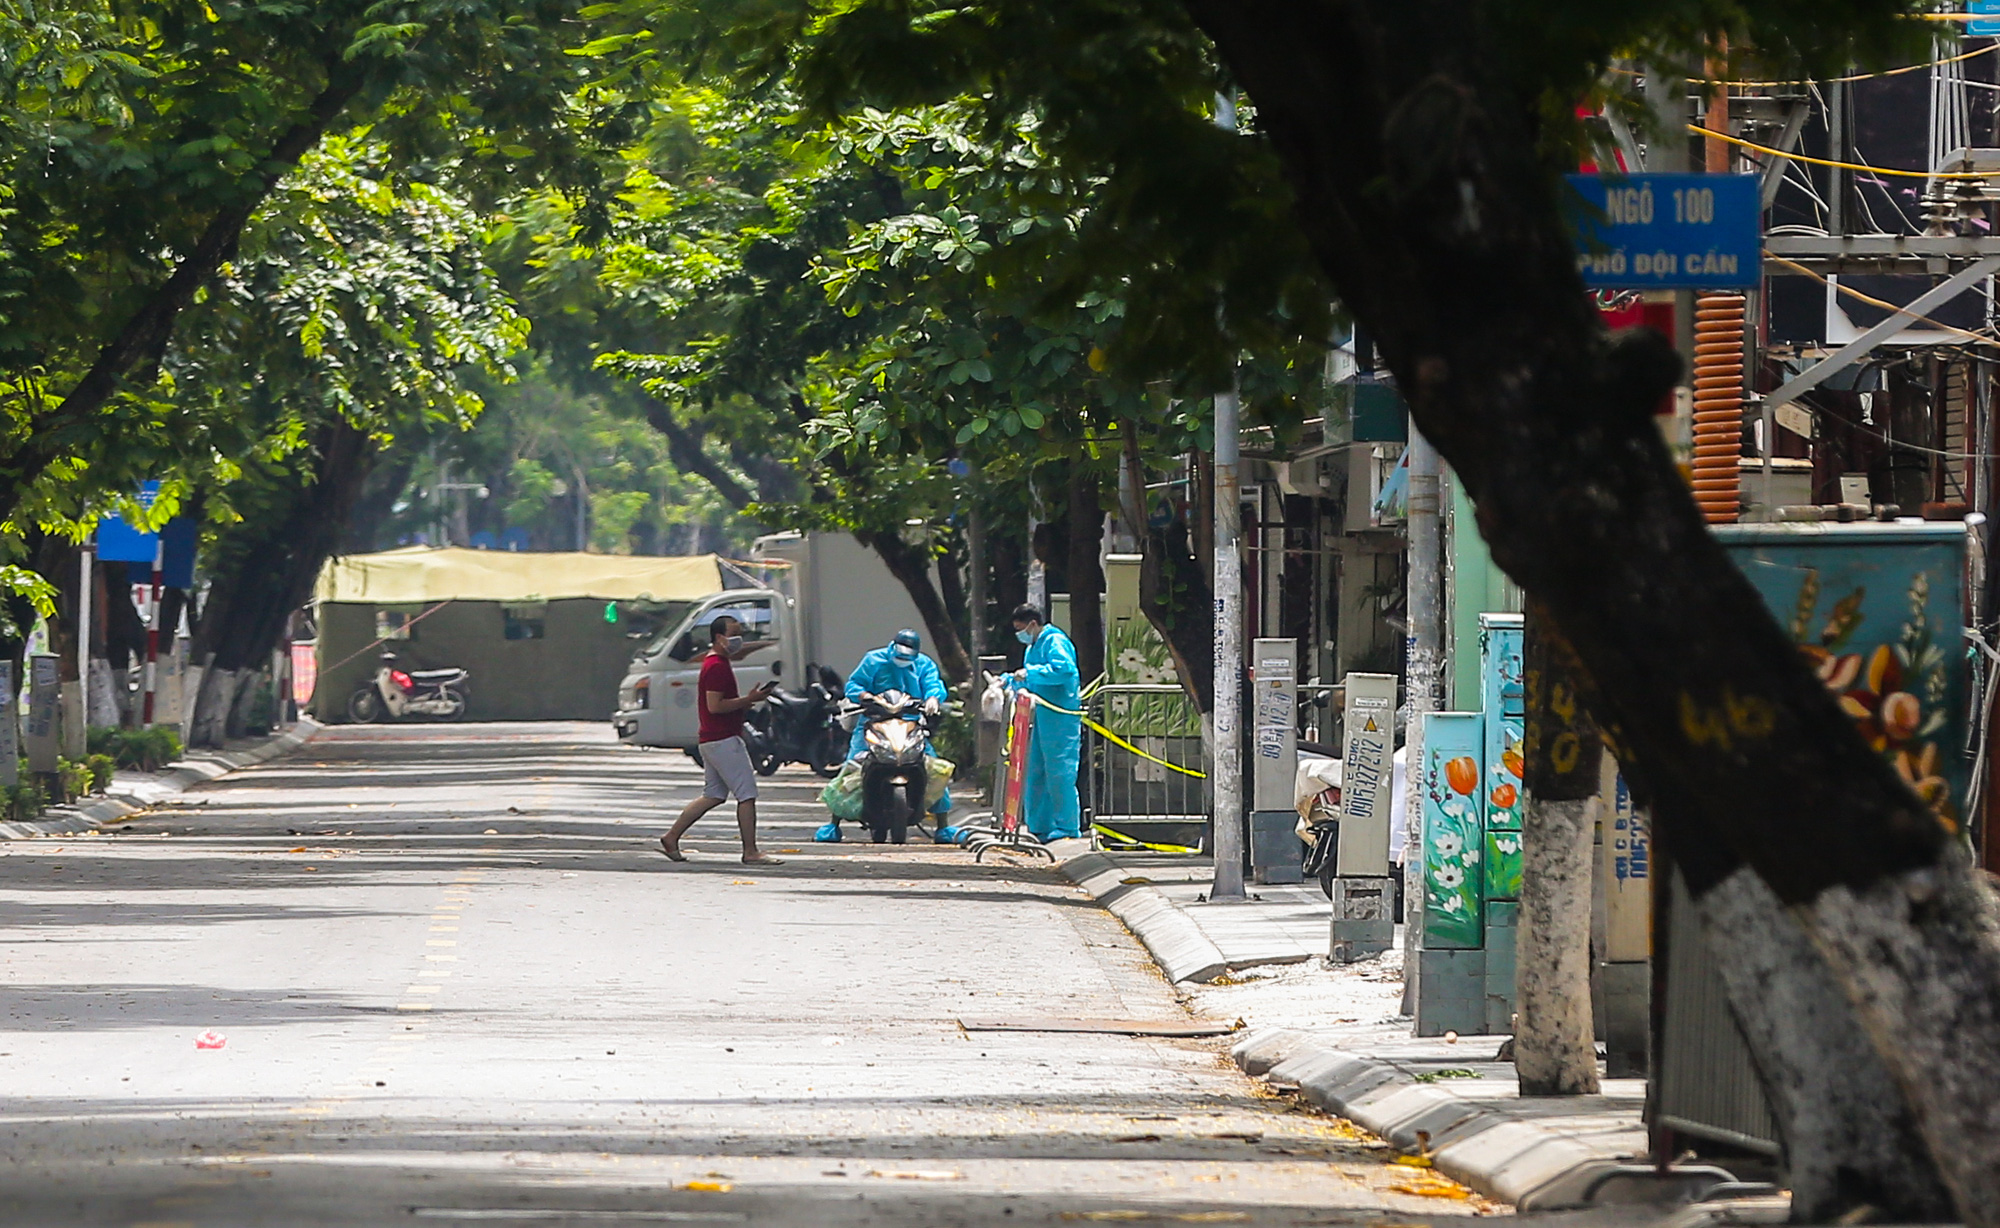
118, 542
1990, 11
1668, 232
174, 545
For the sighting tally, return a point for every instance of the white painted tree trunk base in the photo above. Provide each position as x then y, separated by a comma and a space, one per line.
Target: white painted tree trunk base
1555, 1046
212, 706
1919, 956
1848, 1137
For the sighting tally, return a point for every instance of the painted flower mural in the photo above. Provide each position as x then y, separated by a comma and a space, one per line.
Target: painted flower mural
1894, 690
1450, 784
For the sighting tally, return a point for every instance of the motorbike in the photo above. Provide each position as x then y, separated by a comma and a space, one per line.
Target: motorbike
894, 774
799, 727
395, 694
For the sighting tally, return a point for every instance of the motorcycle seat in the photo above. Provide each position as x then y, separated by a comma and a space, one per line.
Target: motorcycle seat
437, 675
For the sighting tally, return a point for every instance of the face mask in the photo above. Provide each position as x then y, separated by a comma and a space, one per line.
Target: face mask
734, 644
905, 655
1026, 637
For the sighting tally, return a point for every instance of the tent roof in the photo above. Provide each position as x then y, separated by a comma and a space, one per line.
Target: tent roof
438, 573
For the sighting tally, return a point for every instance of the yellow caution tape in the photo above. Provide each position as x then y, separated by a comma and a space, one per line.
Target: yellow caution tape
1115, 739
1051, 706
1157, 848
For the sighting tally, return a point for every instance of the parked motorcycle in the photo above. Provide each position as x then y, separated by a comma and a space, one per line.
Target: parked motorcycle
394, 694
893, 770
799, 727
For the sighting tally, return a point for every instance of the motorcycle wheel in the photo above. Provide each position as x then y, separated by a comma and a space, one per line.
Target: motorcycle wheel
907, 804
364, 707
828, 753
764, 755
879, 802
457, 705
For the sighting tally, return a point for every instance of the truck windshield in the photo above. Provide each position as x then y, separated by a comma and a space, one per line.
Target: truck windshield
689, 638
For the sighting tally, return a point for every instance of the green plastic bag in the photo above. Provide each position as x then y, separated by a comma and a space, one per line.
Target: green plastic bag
842, 795
938, 773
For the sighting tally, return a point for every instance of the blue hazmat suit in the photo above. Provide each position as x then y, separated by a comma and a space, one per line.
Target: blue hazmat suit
880, 671
1048, 796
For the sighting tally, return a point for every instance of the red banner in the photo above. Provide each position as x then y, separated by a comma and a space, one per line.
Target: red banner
1017, 762
305, 671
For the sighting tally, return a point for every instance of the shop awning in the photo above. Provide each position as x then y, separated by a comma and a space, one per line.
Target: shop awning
439, 573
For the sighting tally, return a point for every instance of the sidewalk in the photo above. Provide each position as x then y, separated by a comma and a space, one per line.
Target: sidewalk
131, 792
1337, 1034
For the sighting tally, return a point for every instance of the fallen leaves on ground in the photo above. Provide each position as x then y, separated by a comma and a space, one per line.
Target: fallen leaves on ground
1347, 1131
1429, 1185
1408, 1161
711, 1187
915, 1174
1177, 1217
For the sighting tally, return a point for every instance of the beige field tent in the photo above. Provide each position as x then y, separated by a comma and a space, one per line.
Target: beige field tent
545, 636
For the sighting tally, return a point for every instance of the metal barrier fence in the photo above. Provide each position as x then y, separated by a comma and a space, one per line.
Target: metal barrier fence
1139, 799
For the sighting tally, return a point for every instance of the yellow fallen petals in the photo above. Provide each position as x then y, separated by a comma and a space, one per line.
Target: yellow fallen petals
1429, 1186
710, 1187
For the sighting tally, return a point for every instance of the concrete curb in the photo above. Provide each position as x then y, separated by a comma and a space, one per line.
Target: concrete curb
1500, 1154
132, 796
1177, 944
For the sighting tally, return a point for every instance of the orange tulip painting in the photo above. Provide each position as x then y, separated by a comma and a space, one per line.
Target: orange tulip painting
1462, 774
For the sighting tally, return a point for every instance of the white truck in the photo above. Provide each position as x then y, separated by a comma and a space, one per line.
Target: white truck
828, 599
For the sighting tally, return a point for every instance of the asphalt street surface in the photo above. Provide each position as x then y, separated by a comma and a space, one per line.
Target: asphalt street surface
452, 979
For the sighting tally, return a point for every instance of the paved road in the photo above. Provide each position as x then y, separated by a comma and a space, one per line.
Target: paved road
457, 982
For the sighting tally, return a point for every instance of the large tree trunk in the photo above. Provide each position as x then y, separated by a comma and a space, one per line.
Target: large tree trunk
265, 570
1849, 1139
1085, 574
1008, 546
1423, 192
1175, 589
911, 565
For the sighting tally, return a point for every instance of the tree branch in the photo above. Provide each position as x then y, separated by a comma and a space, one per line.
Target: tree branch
687, 452
143, 339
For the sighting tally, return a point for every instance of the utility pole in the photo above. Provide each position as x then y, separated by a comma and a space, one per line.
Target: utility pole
153, 628
1422, 679
1038, 572
79, 742
975, 551
1226, 762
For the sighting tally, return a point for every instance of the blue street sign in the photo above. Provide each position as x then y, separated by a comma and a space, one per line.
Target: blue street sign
118, 542
174, 545
1668, 232
178, 538
1989, 28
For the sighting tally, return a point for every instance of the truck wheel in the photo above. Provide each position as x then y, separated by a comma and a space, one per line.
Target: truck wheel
364, 707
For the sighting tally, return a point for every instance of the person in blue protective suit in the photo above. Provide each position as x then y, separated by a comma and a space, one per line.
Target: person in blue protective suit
1048, 798
899, 665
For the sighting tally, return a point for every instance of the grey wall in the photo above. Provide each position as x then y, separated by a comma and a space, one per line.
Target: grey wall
570, 674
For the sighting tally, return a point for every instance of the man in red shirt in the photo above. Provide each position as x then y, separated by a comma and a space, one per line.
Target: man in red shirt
725, 759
